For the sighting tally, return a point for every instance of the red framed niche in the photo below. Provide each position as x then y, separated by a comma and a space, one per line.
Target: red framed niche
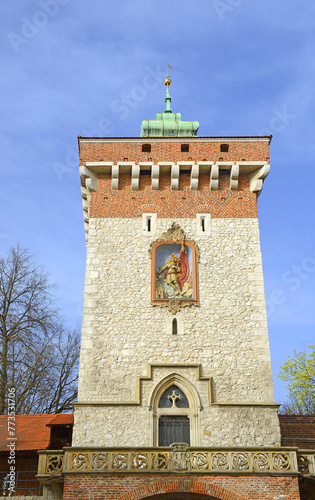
174, 273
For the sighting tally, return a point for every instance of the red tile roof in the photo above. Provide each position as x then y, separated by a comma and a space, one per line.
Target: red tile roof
31, 431
61, 419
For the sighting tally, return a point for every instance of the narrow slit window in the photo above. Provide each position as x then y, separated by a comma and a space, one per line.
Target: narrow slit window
146, 148
224, 148
184, 148
203, 224
174, 326
148, 224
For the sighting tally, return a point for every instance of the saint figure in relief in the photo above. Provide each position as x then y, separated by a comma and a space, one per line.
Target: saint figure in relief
176, 280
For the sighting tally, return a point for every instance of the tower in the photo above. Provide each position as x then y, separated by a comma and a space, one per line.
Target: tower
175, 388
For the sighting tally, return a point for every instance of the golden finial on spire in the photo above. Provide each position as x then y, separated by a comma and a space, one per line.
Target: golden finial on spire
167, 81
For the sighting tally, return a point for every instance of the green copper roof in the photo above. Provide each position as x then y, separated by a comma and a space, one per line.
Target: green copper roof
168, 124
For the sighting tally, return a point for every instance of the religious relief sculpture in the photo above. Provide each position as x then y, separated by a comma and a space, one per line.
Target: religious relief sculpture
174, 276
174, 272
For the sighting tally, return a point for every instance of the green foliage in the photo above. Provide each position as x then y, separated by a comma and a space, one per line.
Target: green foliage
299, 373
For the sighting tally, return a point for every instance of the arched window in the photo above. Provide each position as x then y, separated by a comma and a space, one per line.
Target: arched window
173, 428
175, 412
173, 397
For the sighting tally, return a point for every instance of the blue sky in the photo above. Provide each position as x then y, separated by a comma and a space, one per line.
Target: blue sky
96, 68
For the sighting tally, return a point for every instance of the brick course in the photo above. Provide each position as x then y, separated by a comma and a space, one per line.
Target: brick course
167, 203
117, 150
298, 430
81, 487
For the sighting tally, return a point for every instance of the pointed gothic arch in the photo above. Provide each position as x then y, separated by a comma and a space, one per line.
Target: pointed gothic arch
191, 411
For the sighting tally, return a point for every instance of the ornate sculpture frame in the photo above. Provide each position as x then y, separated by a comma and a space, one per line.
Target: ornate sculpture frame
177, 236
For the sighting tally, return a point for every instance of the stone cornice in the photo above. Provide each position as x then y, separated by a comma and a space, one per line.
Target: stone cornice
144, 140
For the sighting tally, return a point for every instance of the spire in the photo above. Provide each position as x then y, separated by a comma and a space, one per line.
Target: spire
168, 98
168, 124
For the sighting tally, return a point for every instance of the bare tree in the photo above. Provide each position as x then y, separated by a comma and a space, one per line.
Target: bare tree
39, 357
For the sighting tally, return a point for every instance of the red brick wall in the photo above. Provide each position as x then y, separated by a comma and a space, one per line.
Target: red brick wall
82, 487
298, 430
165, 202
171, 151
170, 204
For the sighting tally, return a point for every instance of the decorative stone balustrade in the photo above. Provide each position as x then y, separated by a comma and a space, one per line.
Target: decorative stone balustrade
177, 458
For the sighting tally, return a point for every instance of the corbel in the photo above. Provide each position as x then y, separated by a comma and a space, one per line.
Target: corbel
194, 177
89, 177
86, 199
256, 179
155, 177
115, 177
234, 175
174, 177
135, 176
214, 177
88, 184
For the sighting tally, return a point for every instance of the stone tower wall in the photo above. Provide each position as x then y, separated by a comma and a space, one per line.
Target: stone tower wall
221, 349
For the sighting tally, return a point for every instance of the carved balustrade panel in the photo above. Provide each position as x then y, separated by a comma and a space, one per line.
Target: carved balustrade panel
220, 461
179, 458
281, 462
241, 462
140, 461
54, 463
100, 461
120, 461
306, 462
79, 462
200, 461
261, 462
159, 461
